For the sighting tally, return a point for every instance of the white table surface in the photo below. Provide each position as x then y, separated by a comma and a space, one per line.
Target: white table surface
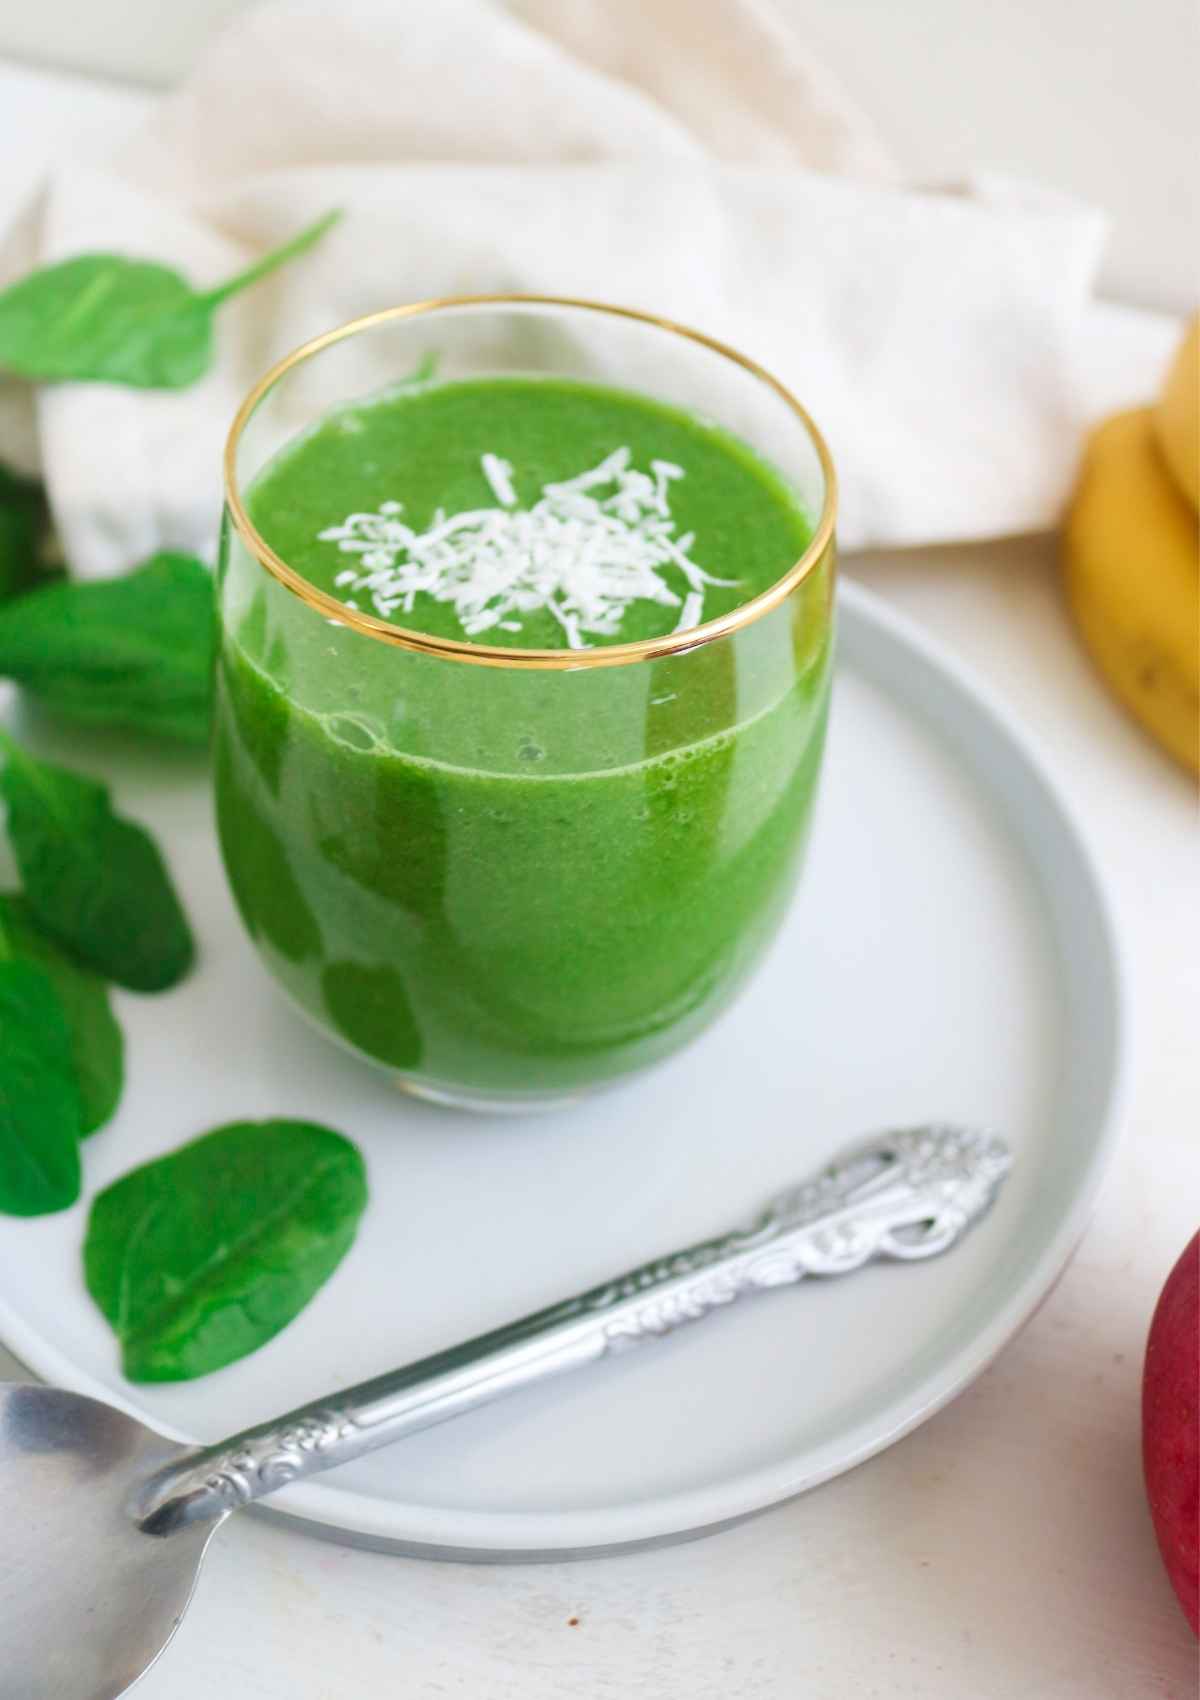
1004, 1551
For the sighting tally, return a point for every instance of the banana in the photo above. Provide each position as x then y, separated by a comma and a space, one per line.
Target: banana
1177, 416
1132, 566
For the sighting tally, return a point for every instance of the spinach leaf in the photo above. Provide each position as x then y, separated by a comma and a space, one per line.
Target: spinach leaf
24, 532
106, 319
93, 880
205, 1254
134, 651
97, 1044
268, 894
39, 1101
370, 1007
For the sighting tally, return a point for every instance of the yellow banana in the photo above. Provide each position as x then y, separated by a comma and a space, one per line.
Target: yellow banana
1177, 416
1133, 578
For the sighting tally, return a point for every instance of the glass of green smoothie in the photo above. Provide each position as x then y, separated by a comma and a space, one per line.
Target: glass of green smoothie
524, 664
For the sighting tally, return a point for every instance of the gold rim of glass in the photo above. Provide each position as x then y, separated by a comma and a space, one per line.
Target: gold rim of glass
494, 655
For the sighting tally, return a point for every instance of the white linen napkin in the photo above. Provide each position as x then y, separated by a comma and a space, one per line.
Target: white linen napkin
691, 160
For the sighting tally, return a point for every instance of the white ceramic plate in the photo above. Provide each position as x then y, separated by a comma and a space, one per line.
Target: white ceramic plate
950, 956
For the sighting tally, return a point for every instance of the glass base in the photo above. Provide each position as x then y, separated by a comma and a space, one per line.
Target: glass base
488, 1103
450, 1097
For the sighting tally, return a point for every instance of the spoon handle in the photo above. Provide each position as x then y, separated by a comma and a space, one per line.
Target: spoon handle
904, 1195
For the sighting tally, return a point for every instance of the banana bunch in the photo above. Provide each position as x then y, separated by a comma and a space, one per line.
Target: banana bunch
1132, 556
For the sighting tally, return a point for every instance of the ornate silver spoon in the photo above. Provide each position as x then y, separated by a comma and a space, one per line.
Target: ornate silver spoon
106, 1521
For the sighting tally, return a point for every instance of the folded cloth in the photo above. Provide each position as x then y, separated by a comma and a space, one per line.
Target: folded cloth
693, 161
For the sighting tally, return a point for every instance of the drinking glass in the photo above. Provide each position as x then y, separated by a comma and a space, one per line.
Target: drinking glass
511, 875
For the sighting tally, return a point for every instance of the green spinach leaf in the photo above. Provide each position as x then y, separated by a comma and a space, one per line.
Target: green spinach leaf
97, 1044
39, 1100
134, 651
205, 1254
24, 532
93, 880
370, 1006
107, 319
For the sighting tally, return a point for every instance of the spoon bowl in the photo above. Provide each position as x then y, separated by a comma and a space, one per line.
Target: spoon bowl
89, 1598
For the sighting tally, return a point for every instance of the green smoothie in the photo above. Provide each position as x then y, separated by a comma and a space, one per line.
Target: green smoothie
504, 882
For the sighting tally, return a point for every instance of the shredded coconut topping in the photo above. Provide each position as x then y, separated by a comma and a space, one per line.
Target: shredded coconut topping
586, 549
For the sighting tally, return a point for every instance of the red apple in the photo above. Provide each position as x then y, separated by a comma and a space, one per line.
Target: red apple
1171, 1428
